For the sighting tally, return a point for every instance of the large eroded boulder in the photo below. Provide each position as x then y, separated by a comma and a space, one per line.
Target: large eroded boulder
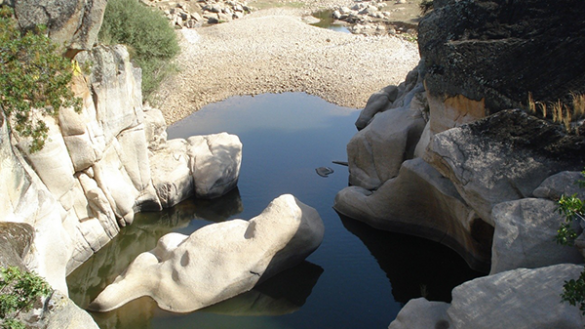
421, 202
185, 273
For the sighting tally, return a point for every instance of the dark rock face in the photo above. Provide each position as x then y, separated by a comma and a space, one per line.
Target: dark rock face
502, 49
15, 241
74, 24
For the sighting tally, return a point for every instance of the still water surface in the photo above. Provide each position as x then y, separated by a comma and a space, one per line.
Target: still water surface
357, 278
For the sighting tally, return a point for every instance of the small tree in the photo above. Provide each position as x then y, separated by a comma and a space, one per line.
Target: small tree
34, 79
573, 209
18, 292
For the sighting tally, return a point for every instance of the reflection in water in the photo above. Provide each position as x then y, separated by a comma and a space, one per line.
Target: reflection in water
435, 272
87, 281
284, 293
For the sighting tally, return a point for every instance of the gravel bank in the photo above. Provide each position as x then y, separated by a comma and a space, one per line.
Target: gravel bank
274, 51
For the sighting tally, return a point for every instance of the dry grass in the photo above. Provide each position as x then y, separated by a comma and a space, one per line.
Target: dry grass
561, 112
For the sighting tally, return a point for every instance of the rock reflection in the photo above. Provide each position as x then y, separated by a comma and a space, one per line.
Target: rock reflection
87, 281
284, 293
416, 267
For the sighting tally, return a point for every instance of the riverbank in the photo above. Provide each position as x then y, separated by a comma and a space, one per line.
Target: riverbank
275, 51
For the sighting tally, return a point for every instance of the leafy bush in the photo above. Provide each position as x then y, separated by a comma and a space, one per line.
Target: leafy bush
147, 33
18, 292
573, 209
34, 79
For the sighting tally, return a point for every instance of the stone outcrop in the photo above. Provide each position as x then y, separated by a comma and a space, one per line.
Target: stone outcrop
505, 168
205, 166
463, 42
421, 202
503, 157
185, 273
390, 137
521, 298
94, 172
72, 24
53, 312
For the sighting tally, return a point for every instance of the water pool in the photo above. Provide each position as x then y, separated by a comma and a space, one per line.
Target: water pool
358, 278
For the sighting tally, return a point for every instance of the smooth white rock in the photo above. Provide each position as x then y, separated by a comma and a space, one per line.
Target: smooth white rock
170, 173
215, 162
185, 273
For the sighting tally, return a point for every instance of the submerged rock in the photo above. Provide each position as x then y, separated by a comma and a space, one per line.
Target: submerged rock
185, 273
324, 171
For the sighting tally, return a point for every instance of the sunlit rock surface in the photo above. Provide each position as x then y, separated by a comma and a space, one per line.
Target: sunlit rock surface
185, 273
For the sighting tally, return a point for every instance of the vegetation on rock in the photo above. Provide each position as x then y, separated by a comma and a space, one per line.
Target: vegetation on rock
18, 291
573, 209
151, 40
561, 112
34, 79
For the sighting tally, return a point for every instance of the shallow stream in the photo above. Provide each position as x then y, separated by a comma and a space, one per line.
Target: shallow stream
358, 278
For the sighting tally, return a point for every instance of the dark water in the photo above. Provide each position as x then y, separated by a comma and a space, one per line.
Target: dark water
358, 278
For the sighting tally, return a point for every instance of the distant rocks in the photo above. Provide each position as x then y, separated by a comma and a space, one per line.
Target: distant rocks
187, 14
372, 18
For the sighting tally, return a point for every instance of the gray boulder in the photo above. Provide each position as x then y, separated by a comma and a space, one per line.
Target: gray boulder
521, 298
524, 236
421, 314
170, 172
376, 103
185, 273
563, 183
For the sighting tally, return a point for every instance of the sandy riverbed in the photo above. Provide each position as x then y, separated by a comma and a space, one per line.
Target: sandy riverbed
274, 51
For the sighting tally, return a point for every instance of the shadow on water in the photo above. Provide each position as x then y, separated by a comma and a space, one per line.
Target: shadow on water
433, 275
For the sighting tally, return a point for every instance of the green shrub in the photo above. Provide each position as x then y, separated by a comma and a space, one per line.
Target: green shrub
18, 291
32, 76
573, 209
147, 33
